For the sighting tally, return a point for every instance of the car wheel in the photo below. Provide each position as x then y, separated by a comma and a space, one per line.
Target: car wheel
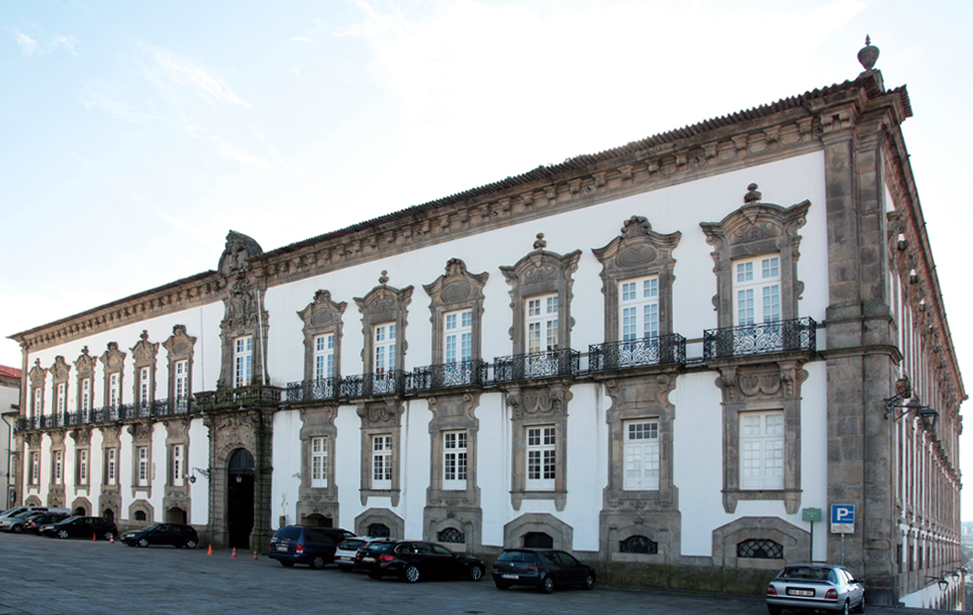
317, 562
589, 581
62, 533
286, 564
845, 610
143, 542
17, 529
475, 573
410, 574
191, 543
375, 575
861, 606
547, 584
501, 585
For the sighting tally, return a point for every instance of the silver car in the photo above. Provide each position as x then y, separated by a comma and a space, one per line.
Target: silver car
816, 587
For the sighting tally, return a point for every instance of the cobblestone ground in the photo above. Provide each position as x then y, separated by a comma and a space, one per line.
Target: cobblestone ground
46, 576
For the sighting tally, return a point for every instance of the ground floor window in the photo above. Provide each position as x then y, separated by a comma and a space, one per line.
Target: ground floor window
760, 549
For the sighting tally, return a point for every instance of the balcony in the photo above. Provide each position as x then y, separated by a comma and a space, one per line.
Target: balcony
322, 389
550, 364
663, 350
254, 395
366, 385
449, 375
768, 338
108, 414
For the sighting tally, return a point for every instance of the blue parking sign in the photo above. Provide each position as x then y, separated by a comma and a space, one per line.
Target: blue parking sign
842, 518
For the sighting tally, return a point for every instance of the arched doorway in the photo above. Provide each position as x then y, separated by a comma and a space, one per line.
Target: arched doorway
175, 515
239, 498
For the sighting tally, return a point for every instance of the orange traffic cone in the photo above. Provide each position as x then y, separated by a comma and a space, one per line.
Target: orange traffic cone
255, 555
234, 552
210, 551
111, 539
94, 538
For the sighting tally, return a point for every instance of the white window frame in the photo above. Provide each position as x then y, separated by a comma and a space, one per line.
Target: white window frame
85, 394
382, 461
384, 347
178, 465
82, 467
324, 356
35, 468
142, 466
642, 455
762, 454
114, 390
541, 457
61, 400
38, 408
111, 466
58, 469
319, 461
638, 308
243, 361
458, 336
181, 388
144, 386
757, 290
541, 323
455, 458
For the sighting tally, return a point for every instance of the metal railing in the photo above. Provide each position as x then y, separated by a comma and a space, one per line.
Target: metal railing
321, 389
448, 375
561, 362
254, 394
108, 414
781, 336
365, 385
637, 353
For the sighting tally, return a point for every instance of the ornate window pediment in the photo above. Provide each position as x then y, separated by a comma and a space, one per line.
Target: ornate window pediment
322, 317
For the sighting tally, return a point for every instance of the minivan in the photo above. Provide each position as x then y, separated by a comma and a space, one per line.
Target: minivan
300, 544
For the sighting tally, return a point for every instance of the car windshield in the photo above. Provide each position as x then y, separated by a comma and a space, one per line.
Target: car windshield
379, 547
288, 533
522, 557
351, 545
150, 528
805, 573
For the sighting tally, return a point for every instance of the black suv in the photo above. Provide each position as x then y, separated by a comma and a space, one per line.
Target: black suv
301, 544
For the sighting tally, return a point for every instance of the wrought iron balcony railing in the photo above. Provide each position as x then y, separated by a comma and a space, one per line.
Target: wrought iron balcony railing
108, 414
384, 383
782, 336
447, 375
322, 389
561, 362
637, 353
251, 395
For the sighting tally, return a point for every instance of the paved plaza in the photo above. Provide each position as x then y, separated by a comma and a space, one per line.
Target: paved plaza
46, 576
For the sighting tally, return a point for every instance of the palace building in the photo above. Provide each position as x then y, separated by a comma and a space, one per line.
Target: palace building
665, 357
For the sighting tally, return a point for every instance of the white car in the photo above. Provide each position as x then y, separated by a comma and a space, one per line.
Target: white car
817, 587
344, 554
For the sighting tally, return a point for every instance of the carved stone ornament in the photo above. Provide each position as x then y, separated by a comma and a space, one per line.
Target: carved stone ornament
549, 402
144, 351
236, 255
380, 413
141, 431
541, 272
322, 312
59, 369
868, 54
112, 358
457, 289
82, 437
86, 363
37, 374
179, 343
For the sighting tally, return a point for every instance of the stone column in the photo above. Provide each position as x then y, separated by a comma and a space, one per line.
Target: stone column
263, 422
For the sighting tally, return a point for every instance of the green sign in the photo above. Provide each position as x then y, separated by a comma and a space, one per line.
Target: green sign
811, 514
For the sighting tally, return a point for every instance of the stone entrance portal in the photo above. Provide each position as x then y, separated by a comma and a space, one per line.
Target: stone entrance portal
239, 498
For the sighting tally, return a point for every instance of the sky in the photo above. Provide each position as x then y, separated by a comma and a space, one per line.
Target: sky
134, 135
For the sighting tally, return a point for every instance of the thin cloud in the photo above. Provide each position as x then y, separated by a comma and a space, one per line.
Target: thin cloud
91, 98
213, 89
227, 150
27, 44
68, 42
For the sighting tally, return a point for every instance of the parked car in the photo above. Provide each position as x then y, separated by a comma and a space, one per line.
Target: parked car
35, 523
299, 544
410, 560
16, 510
175, 534
541, 568
18, 523
344, 554
815, 587
82, 527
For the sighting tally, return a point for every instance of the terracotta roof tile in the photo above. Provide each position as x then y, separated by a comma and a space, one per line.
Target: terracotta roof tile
10, 372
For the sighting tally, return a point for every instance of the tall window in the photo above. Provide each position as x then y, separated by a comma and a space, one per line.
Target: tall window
178, 469
384, 348
114, 391
144, 397
58, 467
142, 467
181, 370
111, 475
458, 336
638, 304
35, 468
243, 361
382, 462
82, 467
756, 290
762, 450
85, 394
319, 462
324, 356
541, 466
61, 400
454, 460
641, 455
38, 400
542, 324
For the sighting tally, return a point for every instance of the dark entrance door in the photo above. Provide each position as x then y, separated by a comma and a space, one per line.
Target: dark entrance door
240, 478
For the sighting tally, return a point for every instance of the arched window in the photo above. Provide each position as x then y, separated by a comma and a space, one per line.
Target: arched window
760, 549
638, 544
379, 530
80, 511
451, 535
140, 515
538, 540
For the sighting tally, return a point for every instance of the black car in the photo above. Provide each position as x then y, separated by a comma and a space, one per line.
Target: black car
101, 528
35, 523
541, 568
300, 544
175, 534
410, 560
